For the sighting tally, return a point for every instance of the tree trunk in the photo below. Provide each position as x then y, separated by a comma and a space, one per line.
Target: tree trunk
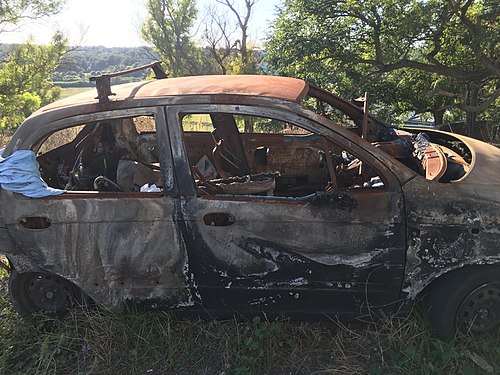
244, 44
471, 101
438, 117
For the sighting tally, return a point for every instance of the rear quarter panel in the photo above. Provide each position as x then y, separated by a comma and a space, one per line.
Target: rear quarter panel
451, 225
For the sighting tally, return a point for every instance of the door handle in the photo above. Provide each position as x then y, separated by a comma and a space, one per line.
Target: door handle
219, 219
35, 222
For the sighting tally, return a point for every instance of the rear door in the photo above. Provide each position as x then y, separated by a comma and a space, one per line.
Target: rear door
116, 245
294, 248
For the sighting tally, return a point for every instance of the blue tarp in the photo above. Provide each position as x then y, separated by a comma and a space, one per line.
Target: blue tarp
20, 173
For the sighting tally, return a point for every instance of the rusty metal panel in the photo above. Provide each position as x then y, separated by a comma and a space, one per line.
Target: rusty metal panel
277, 246
448, 228
115, 248
290, 89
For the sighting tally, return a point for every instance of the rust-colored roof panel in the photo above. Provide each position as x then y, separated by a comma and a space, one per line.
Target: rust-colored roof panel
290, 89
277, 87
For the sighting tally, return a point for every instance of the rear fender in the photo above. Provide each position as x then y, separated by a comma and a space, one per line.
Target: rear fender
7, 244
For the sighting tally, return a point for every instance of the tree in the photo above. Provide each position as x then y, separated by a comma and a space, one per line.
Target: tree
25, 82
167, 29
245, 63
13, 12
446, 48
217, 34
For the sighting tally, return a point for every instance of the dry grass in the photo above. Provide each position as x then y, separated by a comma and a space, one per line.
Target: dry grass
4, 139
101, 342
69, 91
197, 123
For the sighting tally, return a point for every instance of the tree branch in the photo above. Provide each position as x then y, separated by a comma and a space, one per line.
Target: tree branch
492, 65
458, 74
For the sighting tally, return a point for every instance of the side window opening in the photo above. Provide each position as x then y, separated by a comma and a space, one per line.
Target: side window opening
59, 138
279, 159
118, 155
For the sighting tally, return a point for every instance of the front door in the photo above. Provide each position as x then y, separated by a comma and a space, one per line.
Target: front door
308, 241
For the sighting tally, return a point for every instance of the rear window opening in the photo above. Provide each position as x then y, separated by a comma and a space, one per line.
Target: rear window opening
117, 155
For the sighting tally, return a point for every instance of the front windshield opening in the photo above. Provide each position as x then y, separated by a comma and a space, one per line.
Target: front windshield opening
433, 156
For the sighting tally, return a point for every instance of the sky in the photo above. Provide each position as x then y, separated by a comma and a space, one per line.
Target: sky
116, 23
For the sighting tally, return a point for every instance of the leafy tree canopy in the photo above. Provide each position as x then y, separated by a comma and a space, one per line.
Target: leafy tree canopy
14, 11
167, 28
25, 73
25, 82
432, 55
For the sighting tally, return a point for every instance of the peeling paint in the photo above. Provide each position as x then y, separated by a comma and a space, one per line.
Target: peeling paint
462, 232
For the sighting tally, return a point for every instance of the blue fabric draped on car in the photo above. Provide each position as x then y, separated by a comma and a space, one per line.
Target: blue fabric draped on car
20, 173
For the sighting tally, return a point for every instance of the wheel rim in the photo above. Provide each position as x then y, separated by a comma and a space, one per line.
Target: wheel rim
50, 293
479, 312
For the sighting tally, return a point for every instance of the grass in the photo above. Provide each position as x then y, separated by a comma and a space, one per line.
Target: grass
68, 91
102, 342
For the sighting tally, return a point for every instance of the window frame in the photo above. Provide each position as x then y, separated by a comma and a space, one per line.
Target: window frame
184, 174
162, 139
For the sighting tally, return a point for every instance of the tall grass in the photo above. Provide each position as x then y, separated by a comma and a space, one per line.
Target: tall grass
102, 342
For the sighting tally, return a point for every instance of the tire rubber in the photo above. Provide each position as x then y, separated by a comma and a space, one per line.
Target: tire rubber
22, 302
449, 291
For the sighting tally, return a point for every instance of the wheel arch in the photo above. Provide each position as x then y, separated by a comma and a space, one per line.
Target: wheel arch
22, 303
464, 299
451, 274
22, 263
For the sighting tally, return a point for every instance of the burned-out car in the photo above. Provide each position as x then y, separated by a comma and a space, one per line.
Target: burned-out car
248, 194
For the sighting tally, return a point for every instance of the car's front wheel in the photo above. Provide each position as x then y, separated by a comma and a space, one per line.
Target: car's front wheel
467, 300
43, 292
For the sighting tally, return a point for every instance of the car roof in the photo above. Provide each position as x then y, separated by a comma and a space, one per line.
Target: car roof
289, 89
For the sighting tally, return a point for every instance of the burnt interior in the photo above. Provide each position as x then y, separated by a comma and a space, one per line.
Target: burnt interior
436, 156
225, 161
111, 155
293, 162
284, 161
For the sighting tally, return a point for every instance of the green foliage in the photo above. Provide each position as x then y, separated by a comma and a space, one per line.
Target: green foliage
258, 344
25, 82
249, 65
423, 56
167, 29
169, 24
81, 63
14, 11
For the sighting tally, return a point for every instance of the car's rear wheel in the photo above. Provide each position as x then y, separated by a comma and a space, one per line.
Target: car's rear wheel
43, 292
467, 300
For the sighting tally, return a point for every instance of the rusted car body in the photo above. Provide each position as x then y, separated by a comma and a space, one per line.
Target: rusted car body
330, 220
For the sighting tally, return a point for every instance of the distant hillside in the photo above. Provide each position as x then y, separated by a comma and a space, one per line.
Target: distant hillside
80, 63
84, 62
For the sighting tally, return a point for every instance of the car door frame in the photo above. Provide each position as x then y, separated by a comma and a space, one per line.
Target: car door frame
309, 121
90, 247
